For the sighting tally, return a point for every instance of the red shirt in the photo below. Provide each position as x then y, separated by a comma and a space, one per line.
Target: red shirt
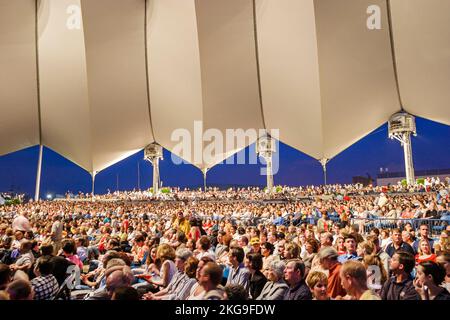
334, 287
430, 258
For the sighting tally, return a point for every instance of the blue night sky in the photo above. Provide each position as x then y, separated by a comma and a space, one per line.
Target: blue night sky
431, 150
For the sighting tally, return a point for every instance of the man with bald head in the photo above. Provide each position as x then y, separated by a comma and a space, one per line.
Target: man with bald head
119, 276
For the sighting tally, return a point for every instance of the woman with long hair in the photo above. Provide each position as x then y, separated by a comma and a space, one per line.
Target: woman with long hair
254, 263
424, 252
376, 272
428, 279
443, 245
339, 245
166, 254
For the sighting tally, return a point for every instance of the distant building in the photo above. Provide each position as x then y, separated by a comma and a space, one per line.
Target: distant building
365, 181
383, 179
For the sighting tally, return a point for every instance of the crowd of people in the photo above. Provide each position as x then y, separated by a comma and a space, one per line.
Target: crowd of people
197, 245
337, 191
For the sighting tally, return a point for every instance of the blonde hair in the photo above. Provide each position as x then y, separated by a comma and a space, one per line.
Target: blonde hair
165, 252
314, 277
368, 247
419, 249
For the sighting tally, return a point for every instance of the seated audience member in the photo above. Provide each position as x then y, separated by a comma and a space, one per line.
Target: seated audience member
267, 250
254, 263
197, 291
4, 295
350, 247
20, 290
116, 277
178, 280
400, 286
103, 292
25, 259
235, 292
5, 276
429, 277
125, 293
166, 254
275, 288
444, 261
443, 245
238, 274
189, 281
376, 272
328, 260
354, 280
398, 244
294, 274
60, 264
69, 251
139, 251
45, 285
424, 232
210, 279
317, 282
424, 252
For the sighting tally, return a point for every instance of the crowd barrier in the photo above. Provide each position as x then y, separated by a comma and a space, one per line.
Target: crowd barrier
435, 226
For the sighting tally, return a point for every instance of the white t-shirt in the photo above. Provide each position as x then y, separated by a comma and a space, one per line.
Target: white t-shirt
21, 223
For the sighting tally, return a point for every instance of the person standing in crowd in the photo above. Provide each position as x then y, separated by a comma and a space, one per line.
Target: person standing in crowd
294, 274
56, 233
400, 286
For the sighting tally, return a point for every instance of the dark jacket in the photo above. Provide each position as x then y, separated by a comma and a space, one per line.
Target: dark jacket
299, 292
257, 282
443, 295
273, 290
390, 249
399, 291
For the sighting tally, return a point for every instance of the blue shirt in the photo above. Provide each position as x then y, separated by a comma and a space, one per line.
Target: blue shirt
345, 257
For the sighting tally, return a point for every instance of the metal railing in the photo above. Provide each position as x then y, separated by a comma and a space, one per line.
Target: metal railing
435, 226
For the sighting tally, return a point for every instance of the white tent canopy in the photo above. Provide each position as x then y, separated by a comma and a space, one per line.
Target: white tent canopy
134, 71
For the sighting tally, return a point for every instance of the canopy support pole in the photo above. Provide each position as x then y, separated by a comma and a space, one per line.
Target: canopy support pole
155, 163
38, 174
93, 174
324, 162
204, 171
